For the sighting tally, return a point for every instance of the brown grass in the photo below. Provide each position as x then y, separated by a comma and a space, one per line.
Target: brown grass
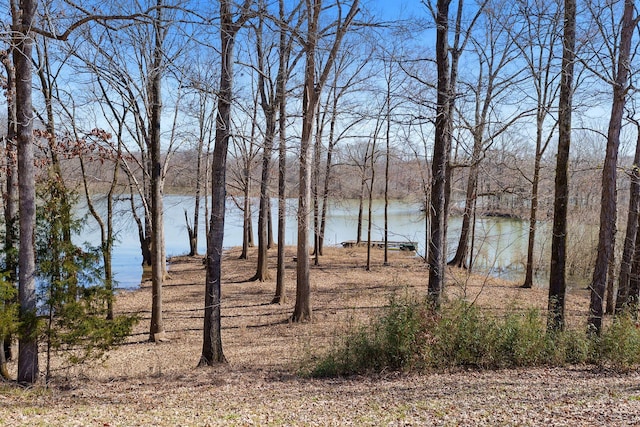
158, 384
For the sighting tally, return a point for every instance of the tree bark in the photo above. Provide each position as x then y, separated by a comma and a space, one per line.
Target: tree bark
269, 108
632, 230
609, 172
441, 144
23, 12
156, 330
11, 238
557, 284
312, 89
285, 44
212, 341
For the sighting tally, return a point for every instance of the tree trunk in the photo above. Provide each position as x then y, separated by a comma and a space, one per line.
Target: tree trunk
460, 258
634, 279
557, 284
262, 273
212, 342
632, 229
156, 331
302, 309
193, 234
610, 305
247, 229
22, 15
370, 211
440, 156
325, 189
315, 190
267, 103
312, 89
270, 241
11, 240
363, 183
280, 296
533, 214
609, 173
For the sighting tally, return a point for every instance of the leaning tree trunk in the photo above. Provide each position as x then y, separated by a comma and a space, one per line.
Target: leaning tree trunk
609, 173
634, 279
632, 229
533, 215
460, 257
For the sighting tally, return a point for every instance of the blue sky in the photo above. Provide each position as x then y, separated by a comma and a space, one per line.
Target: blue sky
394, 9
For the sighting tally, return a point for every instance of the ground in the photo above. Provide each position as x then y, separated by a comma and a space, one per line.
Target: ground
148, 384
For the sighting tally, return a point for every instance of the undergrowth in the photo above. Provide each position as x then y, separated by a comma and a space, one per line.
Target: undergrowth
410, 336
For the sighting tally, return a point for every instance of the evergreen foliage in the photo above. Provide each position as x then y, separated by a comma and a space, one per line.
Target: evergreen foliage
73, 298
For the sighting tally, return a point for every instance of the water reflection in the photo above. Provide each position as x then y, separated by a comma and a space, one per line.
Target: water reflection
500, 243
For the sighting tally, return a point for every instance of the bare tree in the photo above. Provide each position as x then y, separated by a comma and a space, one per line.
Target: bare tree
441, 146
622, 298
22, 12
272, 91
351, 68
10, 196
609, 172
312, 90
285, 62
202, 83
538, 41
494, 80
557, 283
212, 342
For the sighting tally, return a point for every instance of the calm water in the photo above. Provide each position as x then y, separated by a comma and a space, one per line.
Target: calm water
500, 244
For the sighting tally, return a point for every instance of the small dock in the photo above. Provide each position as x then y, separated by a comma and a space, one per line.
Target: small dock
392, 245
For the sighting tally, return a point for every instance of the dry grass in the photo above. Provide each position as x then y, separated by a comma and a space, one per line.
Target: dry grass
158, 384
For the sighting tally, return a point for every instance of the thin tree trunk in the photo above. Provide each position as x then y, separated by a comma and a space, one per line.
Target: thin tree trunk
610, 305
267, 102
270, 241
156, 331
462, 251
280, 296
315, 182
363, 182
634, 279
370, 212
247, 231
533, 214
632, 229
10, 202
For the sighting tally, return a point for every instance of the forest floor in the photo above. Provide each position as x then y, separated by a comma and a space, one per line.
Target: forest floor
147, 384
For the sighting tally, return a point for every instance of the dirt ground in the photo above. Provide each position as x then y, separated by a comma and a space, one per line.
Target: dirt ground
146, 384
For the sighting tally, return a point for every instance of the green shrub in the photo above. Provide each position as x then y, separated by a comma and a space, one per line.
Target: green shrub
618, 346
409, 335
391, 342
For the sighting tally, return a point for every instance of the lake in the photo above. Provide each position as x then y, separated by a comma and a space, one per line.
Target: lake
500, 244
